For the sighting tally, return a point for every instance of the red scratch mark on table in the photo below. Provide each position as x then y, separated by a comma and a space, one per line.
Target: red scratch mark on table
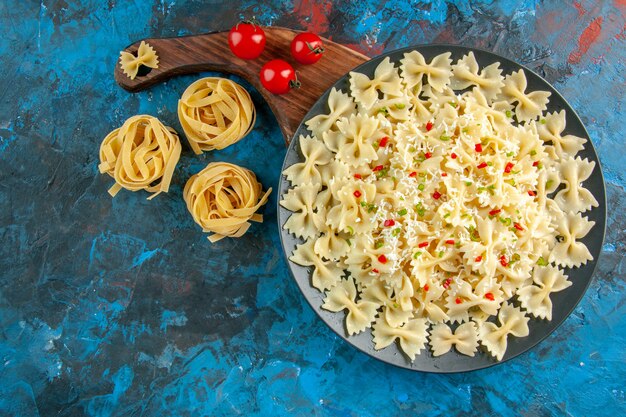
579, 7
587, 38
317, 12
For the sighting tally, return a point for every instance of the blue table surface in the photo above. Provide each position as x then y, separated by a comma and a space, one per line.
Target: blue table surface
117, 307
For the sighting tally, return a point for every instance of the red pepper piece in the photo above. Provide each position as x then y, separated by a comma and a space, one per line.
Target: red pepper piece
413, 174
482, 165
489, 296
427, 155
357, 194
423, 244
531, 193
377, 168
358, 176
508, 167
450, 242
436, 195
503, 261
382, 259
478, 258
453, 155
478, 147
383, 142
518, 226
389, 223
458, 300
494, 212
429, 126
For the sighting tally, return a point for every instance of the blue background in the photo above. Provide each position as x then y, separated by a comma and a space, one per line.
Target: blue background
122, 307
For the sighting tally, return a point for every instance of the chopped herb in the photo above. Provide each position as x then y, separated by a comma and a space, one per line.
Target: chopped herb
394, 178
490, 163
481, 189
349, 243
396, 232
510, 154
363, 204
533, 152
457, 245
468, 183
474, 237
416, 254
402, 212
420, 187
382, 173
542, 121
401, 198
399, 106
453, 104
445, 216
396, 305
465, 130
412, 149
420, 157
542, 262
515, 258
440, 254
539, 166
351, 230
383, 110
422, 174
509, 114
379, 244
444, 138
507, 222
549, 183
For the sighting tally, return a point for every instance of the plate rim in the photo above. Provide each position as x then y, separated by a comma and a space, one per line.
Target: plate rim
465, 50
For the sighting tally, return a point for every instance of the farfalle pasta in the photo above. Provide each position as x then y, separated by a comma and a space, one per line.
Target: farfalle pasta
215, 113
438, 205
140, 155
146, 56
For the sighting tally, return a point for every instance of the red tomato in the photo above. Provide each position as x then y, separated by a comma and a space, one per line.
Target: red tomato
246, 40
279, 77
307, 48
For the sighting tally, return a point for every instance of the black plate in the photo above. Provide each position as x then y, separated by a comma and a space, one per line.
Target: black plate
563, 302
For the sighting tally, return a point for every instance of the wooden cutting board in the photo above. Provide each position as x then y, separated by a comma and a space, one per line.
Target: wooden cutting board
210, 52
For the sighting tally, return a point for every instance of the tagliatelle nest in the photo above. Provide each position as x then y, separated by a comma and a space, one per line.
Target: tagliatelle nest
140, 155
215, 113
223, 199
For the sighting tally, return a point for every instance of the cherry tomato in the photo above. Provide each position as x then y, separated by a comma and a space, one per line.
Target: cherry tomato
307, 48
246, 40
279, 77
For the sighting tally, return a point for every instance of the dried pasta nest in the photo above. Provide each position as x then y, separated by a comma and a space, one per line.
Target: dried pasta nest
140, 155
215, 113
223, 199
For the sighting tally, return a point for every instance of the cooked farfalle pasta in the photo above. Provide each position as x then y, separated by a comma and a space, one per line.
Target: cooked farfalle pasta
140, 155
447, 197
146, 56
215, 113
535, 298
223, 198
342, 296
464, 339
512, 321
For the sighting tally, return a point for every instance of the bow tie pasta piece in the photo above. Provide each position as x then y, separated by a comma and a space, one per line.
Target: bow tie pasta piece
412, 336
146, 56
536, 298
574, 197
215, 113
223, 198
569, 252
360, 314
350, 216
326, 274
335, 170
302, 201
339, 105
529, 106
438, 72
140, 155
464, 339
315, 153
512, 322
466, 73
355, 139
386, 80
331, 244
550, 129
